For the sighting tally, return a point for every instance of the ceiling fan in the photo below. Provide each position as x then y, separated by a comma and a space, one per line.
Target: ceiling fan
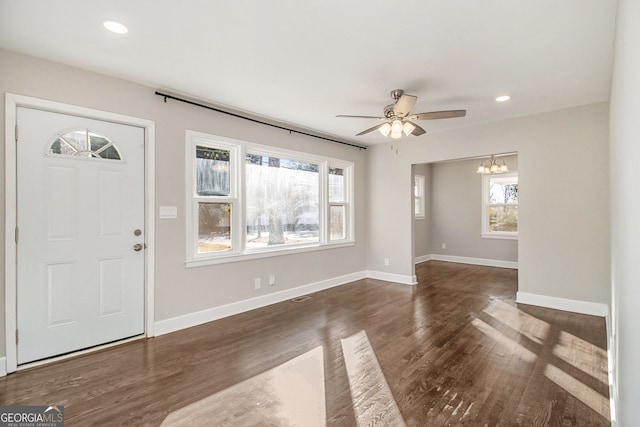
397, 119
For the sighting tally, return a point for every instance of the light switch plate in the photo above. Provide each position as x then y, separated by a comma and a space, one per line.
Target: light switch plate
168, 212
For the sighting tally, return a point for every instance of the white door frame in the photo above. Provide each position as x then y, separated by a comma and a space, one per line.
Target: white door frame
12, 102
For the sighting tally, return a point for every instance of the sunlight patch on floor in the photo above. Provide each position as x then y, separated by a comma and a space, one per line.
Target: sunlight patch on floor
291, 394
508, 345
580, 391
373, 403
583, 355
580, 354
533, 328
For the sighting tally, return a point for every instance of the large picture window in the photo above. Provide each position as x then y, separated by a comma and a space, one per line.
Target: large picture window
500, 205
247, 200
282, 201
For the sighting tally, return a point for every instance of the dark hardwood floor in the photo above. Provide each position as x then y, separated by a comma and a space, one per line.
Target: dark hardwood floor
453, 350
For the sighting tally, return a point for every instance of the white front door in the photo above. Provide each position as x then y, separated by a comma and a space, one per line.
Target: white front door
80, 218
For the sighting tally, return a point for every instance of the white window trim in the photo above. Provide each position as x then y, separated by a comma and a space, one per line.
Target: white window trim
238, 150
484, 232
347, 167
419, 180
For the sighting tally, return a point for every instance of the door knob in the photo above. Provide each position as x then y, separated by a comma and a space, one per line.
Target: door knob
137, 247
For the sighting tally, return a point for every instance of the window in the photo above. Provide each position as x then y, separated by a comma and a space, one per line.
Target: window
340, 213
215, 200
418, 196
500, 206
84, 144
248, 200
282, 201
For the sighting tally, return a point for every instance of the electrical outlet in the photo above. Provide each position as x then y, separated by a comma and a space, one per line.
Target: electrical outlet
272, 279
257, 283
386, 261
444, 246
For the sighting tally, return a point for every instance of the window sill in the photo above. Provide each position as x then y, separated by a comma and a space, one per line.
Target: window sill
504, 236
247, 256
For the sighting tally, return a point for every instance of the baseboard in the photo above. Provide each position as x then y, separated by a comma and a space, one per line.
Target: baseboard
475, 261
576, 306
422, 258
613, 389
3, 366
197, 318
391, 277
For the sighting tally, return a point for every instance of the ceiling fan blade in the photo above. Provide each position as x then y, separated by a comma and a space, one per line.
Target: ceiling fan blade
433, 115
376, 127
404, 105
418, 130
361, 117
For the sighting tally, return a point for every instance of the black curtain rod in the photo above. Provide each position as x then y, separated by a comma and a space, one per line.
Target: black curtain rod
208, 107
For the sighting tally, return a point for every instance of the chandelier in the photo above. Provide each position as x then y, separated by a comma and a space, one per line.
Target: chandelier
492, 165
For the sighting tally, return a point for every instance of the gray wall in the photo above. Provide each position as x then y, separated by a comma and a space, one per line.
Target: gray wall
625, 211
563, 245
563, 254
180, 290
456, 206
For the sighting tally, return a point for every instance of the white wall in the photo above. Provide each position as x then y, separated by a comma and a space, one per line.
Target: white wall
179, 290
625, 211
563, 245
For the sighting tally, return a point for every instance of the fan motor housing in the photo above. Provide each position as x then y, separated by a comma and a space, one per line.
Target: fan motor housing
396, 94
388, 111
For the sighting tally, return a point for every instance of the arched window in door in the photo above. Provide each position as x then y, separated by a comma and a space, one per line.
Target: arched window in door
84, 144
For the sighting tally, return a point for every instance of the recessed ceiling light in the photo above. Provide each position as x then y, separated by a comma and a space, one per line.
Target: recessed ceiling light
503, 98
115, 27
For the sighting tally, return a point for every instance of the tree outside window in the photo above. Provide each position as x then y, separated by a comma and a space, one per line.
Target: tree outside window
500, 206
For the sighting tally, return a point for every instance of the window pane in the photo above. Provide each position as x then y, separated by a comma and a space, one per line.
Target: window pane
282, 201
503, 218
503, 190
214, 227
336, 185
337, 225
103, 148
212, 172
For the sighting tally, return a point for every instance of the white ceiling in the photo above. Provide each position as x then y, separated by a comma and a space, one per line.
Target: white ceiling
303, 62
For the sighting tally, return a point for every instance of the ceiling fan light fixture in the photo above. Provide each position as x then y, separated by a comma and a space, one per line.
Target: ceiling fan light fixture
385, 129
396, 126
408, 128
398, 119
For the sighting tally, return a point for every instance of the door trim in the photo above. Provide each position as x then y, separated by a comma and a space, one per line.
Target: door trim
12, 102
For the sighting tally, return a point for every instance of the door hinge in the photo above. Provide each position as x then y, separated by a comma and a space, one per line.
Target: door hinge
17, 336
16, 236
16, 133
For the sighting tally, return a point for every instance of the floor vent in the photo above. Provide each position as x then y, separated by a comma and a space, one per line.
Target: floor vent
302, 298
